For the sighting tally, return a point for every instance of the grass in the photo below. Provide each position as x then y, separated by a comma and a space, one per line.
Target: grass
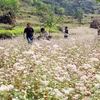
12, 32
18, 31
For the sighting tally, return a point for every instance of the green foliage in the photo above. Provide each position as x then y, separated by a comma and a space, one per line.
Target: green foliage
6, 5
28, 1
52, 20
98, 0
13, 32
71, 6
79, 15
42, 9
19, 31
62, 10
46, 14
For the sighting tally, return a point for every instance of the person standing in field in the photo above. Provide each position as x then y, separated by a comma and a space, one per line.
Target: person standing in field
28, 33
66, 32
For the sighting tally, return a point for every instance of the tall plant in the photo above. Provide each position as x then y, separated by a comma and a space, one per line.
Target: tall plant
79, 15
47, 15
52, 20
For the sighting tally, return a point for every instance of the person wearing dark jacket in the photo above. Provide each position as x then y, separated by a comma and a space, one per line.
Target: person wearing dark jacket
66, 32
28, 33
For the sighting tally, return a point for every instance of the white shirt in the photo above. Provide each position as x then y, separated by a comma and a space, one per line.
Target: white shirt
44, 35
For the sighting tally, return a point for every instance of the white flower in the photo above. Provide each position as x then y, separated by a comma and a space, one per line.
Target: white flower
75, 47
56, 46
2, 48
49, 88
82, 88
97, 85
61, 79
44, 58
36, 45
46, 41
94, 59
28, 52
86, 98
84, 78
44, 82
6, 53
97, 77
10, 86
62, 57
57, 93
44, 76
38, 62
6, 88
70, 89
16, 64
22, 60
20, 68
16, 50
86, 66
66, 98
15, 98
73, 39
57, 68
65, 91
72, 66
87, 92
3, 88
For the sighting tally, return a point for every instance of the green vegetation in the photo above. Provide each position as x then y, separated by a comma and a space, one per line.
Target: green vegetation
19, 31
13, 32
79, 15
6, 5
71, 6
98, 0
51, 14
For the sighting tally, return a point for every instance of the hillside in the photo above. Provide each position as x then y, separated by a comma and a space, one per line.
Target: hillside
71, 6
27, 12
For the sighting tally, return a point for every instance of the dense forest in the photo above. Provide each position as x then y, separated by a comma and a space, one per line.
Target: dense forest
71, 6
67, 7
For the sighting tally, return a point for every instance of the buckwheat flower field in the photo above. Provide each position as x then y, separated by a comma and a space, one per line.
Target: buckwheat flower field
60, 69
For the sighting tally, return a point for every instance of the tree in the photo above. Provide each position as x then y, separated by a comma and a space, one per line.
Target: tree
42, 10
46, 14
59, 10
52, 20
79, 15
49, 21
